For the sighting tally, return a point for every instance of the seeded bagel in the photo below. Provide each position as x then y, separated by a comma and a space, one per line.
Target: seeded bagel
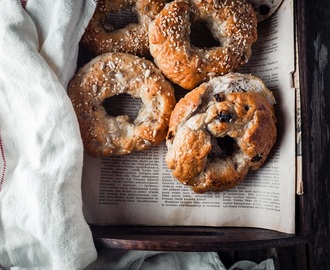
232, 22
112, 74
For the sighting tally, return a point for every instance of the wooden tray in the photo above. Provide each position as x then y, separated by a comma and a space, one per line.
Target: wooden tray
224, 238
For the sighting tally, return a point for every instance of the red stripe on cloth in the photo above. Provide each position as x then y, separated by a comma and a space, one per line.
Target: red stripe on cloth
3, 164
23, 2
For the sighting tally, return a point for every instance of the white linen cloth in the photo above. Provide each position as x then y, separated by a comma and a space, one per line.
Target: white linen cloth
41, 154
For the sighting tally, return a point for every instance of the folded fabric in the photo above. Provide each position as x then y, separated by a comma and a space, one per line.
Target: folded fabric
41, 153
116, 259
248, 265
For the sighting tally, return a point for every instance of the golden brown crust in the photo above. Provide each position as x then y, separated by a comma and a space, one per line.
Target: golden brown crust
232, 22
112, 74
231, 126
100, 37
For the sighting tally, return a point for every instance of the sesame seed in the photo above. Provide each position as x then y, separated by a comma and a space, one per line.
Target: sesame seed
111, 65
147, 73
94, 88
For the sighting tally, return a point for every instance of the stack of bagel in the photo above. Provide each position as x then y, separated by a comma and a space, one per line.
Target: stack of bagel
221, 128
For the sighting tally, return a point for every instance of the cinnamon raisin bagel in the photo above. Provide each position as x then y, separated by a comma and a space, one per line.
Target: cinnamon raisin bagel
219, 131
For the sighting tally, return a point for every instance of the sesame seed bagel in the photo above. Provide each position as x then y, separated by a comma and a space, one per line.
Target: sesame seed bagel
232, 22
112, 74
100, 36
219, 131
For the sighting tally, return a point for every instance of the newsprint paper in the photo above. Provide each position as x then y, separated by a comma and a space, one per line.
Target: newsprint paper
138, 189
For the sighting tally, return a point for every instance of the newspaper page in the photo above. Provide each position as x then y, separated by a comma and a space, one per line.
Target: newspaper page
138, 189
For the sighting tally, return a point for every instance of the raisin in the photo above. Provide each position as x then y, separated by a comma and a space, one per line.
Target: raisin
225, 116
170, 136
256, 158
218, 97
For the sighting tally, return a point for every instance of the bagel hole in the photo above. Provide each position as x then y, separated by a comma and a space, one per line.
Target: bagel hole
222, 147
201, 36
264, 9
118, 20
122, 104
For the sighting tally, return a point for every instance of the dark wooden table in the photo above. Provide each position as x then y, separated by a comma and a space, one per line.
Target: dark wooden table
315, 26
310, 249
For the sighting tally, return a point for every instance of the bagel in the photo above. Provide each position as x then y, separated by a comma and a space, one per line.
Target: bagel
112, 74
220, 130
100, 36
232, 22
264, 8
